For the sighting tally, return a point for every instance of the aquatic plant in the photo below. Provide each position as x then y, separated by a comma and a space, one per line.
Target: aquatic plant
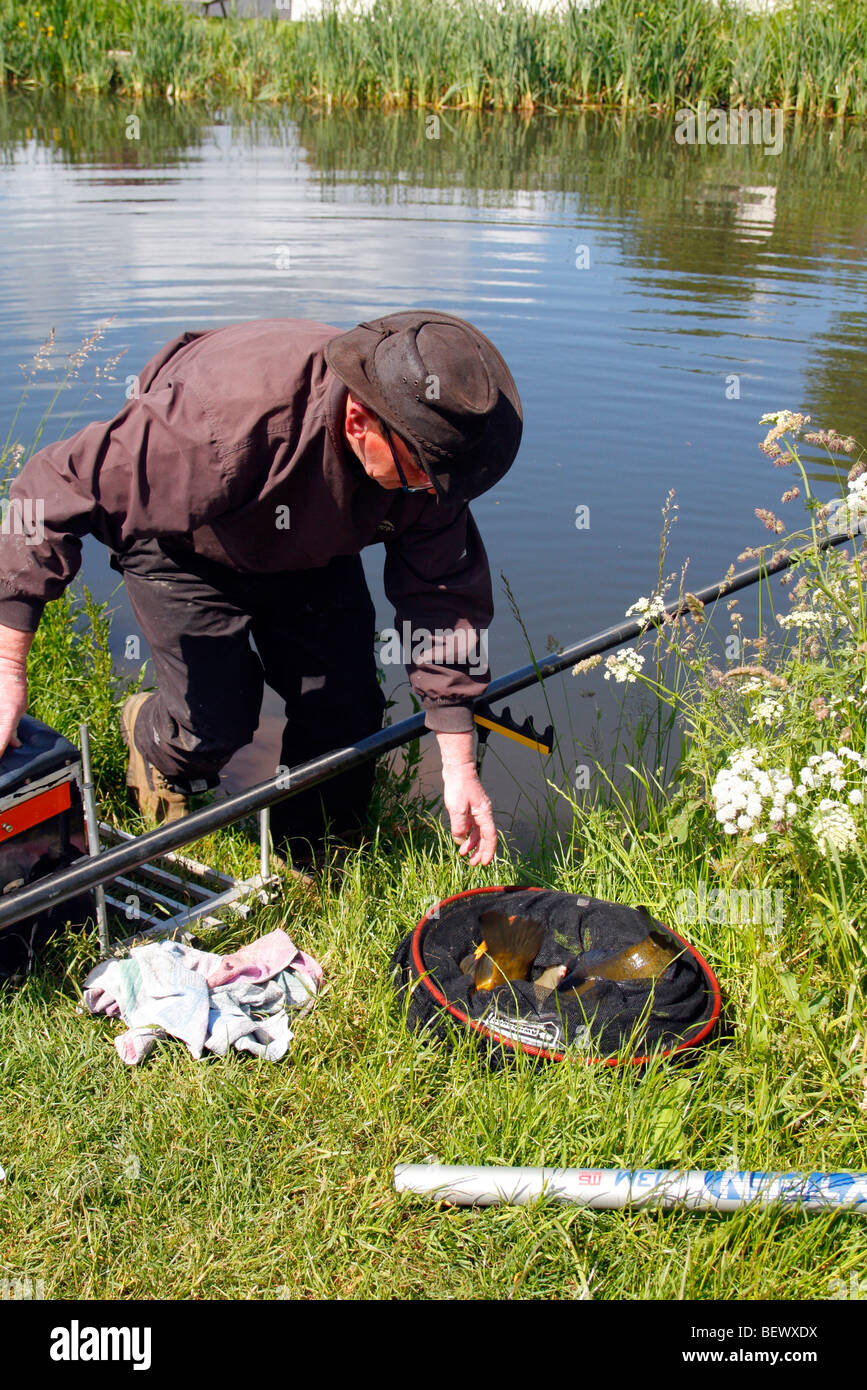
499, 54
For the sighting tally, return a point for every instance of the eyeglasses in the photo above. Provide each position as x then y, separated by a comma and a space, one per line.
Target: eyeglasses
424, 487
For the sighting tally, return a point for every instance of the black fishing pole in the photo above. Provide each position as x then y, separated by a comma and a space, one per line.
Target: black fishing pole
87, 873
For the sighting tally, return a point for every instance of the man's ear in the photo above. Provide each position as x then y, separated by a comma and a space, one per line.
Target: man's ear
359, 419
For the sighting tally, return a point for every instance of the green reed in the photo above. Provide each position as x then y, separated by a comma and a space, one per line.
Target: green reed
616, 53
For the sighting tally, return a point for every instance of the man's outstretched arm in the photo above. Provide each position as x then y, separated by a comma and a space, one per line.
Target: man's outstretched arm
468, 804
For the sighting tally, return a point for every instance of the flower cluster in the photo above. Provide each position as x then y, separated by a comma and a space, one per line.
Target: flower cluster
853, 505
802, 617
766, 711
781, 422
751, 686
652, 608
837, 707
746, 791
831, 440
834, 609
832, 825
624, 666
741, 790
834, 767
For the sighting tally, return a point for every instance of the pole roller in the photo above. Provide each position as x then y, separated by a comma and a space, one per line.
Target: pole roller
613, 1189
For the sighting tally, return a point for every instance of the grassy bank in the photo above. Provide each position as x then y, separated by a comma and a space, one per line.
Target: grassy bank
618, 53
228, 1178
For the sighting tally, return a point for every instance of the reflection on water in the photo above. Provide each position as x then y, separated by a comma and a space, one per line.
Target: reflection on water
652, 299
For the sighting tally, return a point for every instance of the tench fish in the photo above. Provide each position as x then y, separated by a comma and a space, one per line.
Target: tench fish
507, 951
647, 959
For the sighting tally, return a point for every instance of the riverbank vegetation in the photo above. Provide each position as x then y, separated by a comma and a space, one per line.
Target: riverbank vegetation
657, 54
229, 1178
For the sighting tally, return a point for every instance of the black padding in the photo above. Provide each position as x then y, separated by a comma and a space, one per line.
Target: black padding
42, 751
625, 1019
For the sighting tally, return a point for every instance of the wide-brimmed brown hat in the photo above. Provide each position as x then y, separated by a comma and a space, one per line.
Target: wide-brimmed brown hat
443, 387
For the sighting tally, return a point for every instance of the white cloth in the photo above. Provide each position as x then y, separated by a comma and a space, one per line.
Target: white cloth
210, 1002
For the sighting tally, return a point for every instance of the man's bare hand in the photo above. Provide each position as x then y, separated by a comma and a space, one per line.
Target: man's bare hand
14, 646
470, 812
13, 701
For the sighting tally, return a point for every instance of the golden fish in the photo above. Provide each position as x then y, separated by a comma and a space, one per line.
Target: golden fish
508, 950
648, 959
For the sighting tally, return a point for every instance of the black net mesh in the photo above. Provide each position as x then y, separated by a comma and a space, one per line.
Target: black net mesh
624, 1018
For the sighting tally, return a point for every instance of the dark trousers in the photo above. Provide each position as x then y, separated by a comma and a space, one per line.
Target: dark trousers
314, 633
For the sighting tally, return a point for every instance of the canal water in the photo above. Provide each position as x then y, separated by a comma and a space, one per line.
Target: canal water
653, 300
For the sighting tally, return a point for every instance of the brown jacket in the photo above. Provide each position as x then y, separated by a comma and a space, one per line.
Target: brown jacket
235, 443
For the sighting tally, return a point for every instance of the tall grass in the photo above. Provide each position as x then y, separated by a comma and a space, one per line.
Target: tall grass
658, 54
806, 960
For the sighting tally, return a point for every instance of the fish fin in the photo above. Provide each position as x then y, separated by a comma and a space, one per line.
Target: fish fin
518, 935
493, 918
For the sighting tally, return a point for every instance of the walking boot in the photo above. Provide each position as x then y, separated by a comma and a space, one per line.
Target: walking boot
157, 801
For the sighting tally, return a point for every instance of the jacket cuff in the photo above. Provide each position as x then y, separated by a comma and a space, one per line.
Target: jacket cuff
450, 719
21, 613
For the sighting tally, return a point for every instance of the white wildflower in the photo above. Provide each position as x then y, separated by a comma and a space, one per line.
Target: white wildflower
752, 684
832, 825
850, 753
624, 666
801, 617
775, 417
741, 789
652, 608
766, 711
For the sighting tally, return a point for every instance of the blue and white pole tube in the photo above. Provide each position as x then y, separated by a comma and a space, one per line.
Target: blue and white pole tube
610, 1189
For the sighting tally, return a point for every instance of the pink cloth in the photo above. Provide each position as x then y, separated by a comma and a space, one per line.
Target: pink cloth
263, 959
